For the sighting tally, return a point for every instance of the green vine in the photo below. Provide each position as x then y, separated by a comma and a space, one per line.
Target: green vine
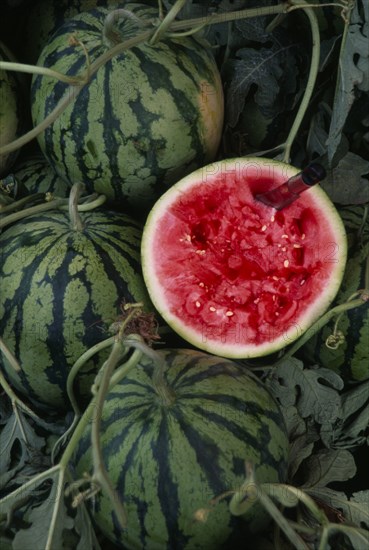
358, 299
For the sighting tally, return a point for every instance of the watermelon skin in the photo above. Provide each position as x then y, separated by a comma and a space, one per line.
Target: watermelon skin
235, 277
168, 461
351, 359
149, 116
35, 175
11, 111
60, 290
46, 16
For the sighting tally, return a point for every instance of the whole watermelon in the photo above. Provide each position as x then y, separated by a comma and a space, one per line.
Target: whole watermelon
350, 359
169, 448
60, 290
35, 175
147, 117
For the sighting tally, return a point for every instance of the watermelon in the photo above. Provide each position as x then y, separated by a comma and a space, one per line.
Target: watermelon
350, 359
45, 16
236, 277
169, 452
35, 175
11, 112
148, 116
60, 289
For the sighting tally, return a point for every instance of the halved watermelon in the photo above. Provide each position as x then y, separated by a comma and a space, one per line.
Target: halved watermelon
235, 277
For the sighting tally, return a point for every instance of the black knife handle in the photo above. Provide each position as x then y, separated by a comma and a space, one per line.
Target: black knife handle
313, 173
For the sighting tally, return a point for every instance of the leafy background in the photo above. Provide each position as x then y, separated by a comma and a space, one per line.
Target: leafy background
264, 63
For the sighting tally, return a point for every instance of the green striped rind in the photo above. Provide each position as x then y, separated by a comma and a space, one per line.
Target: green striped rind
350, 359
46, 16
167, 462
147, 117
11, 113
59, 291
35, 175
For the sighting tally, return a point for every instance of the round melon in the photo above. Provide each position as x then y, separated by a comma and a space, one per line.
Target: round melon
60, 290
11, 112
169, 448
147, 117
35, 175
233, 276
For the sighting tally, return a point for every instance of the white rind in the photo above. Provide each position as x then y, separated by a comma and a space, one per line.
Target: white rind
244, 350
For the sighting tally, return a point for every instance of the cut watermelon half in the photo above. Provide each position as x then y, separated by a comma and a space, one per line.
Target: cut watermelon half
233, 276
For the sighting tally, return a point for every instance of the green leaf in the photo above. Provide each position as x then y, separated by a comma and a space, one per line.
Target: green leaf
86, 533
355, 510
358, 537
353, 71
267, 69
19, 445
48, 520
46, 516
353, 429
300, 449
314, 392
345, 184
327, 466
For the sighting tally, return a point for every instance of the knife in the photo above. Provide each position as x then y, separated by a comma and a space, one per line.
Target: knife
290, 190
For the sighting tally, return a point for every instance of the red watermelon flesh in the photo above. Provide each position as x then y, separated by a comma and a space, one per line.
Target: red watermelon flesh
236, 277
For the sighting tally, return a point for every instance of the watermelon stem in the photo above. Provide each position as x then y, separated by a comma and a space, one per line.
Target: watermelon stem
79, 364
100, 474
313, 72
15, 400
163, 390
112, 37
19, 204
75, 218
167, 22
319, 324
44, 71
50, 205
251, 492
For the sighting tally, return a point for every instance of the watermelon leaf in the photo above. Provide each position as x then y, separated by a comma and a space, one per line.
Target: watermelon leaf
353, 71
328, 465
355, 509
264, 68
353, 429
300, 449
313, 391
46, 514
20, 445
345, 183
48, 520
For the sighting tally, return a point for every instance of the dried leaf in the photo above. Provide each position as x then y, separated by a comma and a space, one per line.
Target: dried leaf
355, 510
